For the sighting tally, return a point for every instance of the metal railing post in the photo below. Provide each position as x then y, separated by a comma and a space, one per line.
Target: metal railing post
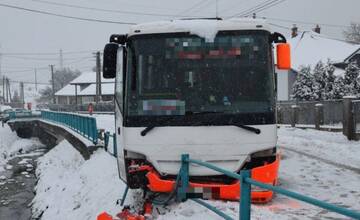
245, 195
184, 178
114, 144
106, 140
124, 195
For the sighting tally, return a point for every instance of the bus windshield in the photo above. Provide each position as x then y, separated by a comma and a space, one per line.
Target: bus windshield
177, 74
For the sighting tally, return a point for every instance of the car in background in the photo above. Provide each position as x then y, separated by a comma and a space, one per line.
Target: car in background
6, 115
3, 108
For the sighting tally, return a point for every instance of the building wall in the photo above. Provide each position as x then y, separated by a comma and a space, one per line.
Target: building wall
282, 85
291, 80
87, 99
62, 100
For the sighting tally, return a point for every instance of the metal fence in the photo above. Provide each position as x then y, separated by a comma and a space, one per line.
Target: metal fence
333, 112
84, 125
245, 192
100, 107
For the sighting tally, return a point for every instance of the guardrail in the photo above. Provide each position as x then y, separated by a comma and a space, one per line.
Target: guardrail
84, 125
245, 192
23, 114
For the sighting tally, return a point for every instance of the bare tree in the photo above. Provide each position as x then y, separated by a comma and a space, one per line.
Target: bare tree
63, 76
352, 34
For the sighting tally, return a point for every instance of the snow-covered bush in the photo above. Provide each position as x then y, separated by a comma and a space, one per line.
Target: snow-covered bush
304, 84
321, 83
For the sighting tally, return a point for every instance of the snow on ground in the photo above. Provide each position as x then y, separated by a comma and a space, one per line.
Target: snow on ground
11, 145
71, 188
105, 121
332, 146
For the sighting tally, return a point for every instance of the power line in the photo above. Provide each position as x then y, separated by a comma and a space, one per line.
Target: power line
107, 10
40, 54
266, 7
23, 71
260, 7
280, 26
252, 8
192, 7
64, 16
306, 22
29, 82
41, 58
204, 6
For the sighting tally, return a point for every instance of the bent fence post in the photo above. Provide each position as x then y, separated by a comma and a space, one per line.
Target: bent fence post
184, 178
245, 195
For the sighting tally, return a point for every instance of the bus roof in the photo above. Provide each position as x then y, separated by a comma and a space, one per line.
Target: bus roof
207, 28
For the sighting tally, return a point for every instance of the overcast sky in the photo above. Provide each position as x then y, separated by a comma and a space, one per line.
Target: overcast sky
28, 32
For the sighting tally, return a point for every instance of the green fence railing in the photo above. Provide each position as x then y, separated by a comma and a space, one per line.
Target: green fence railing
84, 125
22, 114
245, 192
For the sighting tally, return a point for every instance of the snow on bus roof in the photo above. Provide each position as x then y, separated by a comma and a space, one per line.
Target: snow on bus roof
205, 28
89, 78
308, 48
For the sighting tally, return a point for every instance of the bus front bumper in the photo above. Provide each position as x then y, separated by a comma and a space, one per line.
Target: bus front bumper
266, 174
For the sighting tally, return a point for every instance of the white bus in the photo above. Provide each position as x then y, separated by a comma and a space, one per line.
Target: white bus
203, 87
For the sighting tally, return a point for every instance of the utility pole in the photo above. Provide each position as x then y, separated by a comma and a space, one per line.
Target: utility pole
8, 91
61, 63
217, 8
0, 63
9, 88
98, 78
52, 83
3, 94
22, 98
6, 96
36, 88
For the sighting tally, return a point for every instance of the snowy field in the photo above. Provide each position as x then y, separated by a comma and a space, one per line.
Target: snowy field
320, 164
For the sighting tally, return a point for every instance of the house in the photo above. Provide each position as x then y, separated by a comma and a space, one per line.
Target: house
82, 90
66, 95
307, 49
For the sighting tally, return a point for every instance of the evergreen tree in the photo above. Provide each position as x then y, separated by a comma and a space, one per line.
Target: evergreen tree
338, 88
351, 84
329, 92
319, 84
303, 86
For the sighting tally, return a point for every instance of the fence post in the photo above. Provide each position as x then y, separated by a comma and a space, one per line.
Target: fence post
245, 195
184, 178
115, 145
106, 140
294, 115
348, 118
319, 115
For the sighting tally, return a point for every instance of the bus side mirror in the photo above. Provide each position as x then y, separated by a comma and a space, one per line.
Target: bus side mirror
283, 56
110, 60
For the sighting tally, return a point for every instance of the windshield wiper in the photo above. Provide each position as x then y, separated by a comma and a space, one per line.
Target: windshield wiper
248, 128
147, 129
252, 129
161, 123
150, 127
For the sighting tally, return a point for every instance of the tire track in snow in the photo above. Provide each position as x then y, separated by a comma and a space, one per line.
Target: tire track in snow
339, 165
